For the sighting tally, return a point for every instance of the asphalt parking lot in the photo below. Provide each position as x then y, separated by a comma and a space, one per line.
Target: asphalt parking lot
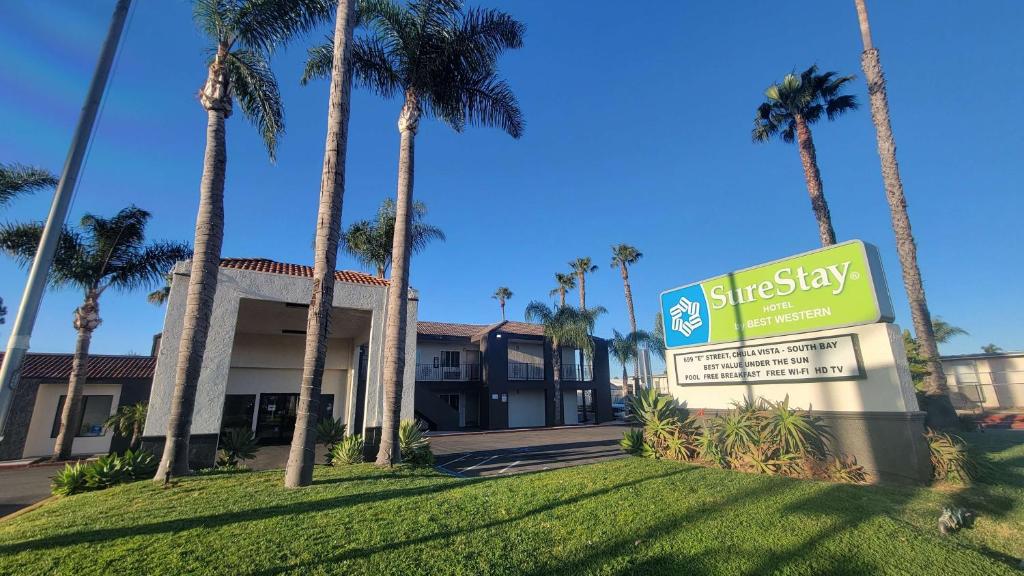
515, 452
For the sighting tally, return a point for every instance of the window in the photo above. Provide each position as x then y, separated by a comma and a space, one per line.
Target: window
238, 409
94, 411
451, 400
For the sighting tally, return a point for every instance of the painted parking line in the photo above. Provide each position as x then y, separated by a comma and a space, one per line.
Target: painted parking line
505, 469
450, 462
480, 462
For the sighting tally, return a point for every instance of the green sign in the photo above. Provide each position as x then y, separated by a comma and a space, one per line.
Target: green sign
841, 285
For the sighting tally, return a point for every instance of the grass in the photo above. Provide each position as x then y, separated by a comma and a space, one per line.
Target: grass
628, 516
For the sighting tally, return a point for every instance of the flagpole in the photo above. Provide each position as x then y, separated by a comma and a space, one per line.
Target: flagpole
21, 331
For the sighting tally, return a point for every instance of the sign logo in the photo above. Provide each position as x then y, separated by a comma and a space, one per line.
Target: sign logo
692, 312
841, 285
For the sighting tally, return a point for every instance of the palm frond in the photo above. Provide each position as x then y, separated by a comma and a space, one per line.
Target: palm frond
319, 61
143, 268
17, 179
255, 86
263, 25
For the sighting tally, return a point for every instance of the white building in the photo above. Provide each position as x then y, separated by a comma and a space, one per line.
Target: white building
252, 366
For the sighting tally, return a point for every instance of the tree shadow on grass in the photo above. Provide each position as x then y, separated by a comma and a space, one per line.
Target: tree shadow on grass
61, 540
357, 553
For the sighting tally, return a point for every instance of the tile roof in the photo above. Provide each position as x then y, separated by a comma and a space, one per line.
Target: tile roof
476, 330
58, 366
273, 267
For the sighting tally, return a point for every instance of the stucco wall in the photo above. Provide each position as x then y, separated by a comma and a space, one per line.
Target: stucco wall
233, 285
992, 381
39, 443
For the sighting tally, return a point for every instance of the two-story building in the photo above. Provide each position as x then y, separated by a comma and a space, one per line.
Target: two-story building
495, 376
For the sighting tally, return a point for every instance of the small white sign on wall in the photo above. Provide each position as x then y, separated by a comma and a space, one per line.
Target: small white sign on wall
805, 360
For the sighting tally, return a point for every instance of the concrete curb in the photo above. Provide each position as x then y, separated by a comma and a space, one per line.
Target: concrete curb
28, 508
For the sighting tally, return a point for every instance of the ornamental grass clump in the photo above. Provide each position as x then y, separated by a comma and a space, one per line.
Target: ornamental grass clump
414, 447
951, 460
348, 451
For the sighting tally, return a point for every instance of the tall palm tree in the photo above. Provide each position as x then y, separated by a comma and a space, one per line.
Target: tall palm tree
18, 179
565, 283
241, 35
581, 267
790, 108
940, 410
657, 342
103, 253
944, 331
501, 295
299, 471
624, 256
625, 348
564, 326
371, 241
991, 349
443, 61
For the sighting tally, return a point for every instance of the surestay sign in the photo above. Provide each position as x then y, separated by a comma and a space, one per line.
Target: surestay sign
842, 285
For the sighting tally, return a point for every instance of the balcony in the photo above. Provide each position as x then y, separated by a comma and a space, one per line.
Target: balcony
525, 371
577, 372
459, 373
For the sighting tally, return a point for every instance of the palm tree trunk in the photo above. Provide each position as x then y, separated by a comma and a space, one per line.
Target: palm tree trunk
202, 284
940, 410
809, 158
87, 319
556, 364
299, 471
632, 324
398, 292
380, 272
136, 435
561, 295
502, 303
583, 290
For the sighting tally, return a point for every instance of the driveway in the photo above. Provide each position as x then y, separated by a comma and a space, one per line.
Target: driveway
23, 486
518, 451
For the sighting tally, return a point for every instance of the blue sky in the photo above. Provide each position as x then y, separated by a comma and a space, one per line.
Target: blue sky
638, 126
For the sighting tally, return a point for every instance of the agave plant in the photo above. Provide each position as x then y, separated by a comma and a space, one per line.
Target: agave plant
138, 464
657, 413
348, 451
792, 431
632, 441
414, 447
236, 444
950, 457
708, 442
70, 480
105, 472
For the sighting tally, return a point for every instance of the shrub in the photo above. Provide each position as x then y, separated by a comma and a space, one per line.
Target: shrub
632, 441
70, 480
846, 470
348, 451
950, 458
236, 444
138, 465
105, 472
708, 442
329, 432
415, 449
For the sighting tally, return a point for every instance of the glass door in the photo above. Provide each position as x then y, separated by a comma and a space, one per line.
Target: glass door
275, 420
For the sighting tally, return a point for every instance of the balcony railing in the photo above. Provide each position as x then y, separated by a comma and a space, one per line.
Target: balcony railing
460, 373
525, 371
577, 373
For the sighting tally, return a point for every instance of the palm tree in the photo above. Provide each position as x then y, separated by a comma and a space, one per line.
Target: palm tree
565, 283
944, 331
581, 267
159, 296
790, 108
299, 471
991, 349
18, 179
129, 421
241, 34
371, 241
657, 343
102, 253
564, 326
443, 61
940, 410
3, 311
625, 348
624, 256
501, 295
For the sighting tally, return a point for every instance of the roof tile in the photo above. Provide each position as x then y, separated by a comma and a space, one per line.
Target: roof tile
273, 267
58, 366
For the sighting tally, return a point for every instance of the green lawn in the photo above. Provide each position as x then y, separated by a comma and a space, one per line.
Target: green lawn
628, 516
